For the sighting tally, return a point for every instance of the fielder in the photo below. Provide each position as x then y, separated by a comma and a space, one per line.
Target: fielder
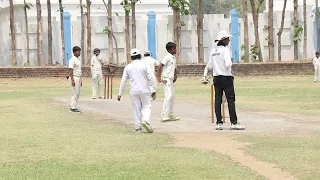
167, 74
151, 63
96, 71
75, 77
221, 63
316, 64
141, 78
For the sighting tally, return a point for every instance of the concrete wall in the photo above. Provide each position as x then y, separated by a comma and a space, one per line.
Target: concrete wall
212, 24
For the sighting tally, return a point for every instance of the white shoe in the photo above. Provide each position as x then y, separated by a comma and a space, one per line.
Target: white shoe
237, 127
174, 118
163, 119
219, 127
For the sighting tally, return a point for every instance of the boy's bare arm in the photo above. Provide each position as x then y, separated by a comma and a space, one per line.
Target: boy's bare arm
175, 75
159, 70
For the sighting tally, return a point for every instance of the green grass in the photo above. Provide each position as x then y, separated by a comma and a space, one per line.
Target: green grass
40, 140
297, 155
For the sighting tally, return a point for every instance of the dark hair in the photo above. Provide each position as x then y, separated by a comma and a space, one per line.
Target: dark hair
317, 53
136, 57
170, 45
146, 54
220, 43
76, 48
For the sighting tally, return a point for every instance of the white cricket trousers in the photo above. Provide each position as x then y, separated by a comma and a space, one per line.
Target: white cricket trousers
316, 72
97, 84
169, 94
141, 104
75, 91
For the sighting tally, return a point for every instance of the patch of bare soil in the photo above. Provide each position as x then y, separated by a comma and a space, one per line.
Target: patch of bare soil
226, 145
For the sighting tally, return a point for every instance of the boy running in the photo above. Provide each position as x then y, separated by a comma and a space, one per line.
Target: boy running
141, 78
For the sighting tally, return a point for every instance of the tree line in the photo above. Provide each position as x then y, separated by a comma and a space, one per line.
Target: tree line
179, 7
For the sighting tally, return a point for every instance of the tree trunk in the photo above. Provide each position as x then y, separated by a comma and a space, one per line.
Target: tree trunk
62, 33
13, 35
27, 32
255, 17
39, 34
200, 32
50, 61
116, 44
176, 33
295, 23
134, 31
88, 31
82, 32
127, 35
317, 19
110, 35
305, 32
281, 29
246, 30
270, 31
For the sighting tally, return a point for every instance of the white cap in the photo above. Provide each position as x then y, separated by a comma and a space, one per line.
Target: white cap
222, 35
134, 52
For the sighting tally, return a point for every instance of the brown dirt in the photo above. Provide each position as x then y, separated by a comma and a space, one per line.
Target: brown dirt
226, 145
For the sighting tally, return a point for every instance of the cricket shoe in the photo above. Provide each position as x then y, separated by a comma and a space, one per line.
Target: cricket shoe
147, 126
174, 118
237, 127
75, 110
165, 119
139, 130
219, 126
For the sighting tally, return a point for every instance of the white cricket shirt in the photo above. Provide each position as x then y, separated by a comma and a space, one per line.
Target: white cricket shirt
75, 65
96, 63
150, 62
169, 65
140, 76
316, 61
220, 60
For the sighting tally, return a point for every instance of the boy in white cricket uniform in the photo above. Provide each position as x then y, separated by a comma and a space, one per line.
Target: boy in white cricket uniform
150, 62
221, 63
75, 74
96, 71
167, 74
141, 78
316, 63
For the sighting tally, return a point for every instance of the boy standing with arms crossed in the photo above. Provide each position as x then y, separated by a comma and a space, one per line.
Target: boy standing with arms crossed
167, 74
96, 71
75, 77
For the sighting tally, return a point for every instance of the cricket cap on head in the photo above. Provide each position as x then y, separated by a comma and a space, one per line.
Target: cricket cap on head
222, 35
135, 52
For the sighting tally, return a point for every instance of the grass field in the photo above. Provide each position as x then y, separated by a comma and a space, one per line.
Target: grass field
40, 140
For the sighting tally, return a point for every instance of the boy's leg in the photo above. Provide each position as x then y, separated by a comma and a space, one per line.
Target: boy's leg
171, 105
146, 111
228, 87
146, 107
218, 91
136, 105
75, 92
100, 85
167, 100
317, 72
94, 86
